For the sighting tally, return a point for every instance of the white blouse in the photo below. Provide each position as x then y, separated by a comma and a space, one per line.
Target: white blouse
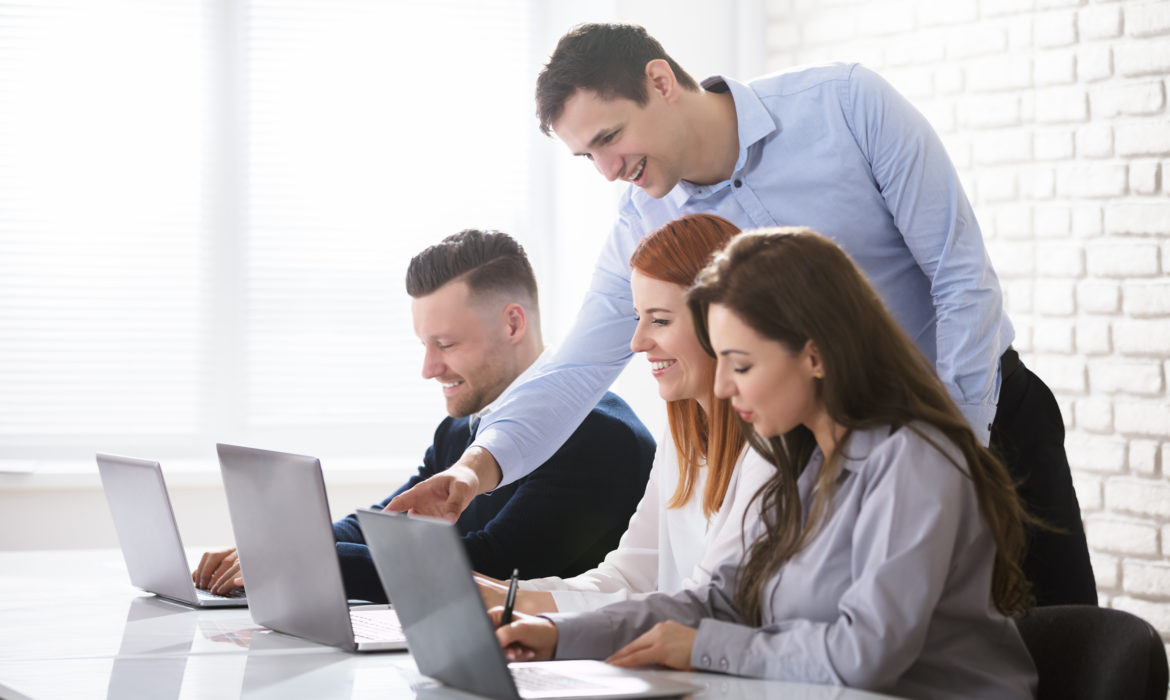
665, 549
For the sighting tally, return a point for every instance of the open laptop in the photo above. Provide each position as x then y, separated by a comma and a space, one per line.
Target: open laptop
288, 553
425, 570
148, 534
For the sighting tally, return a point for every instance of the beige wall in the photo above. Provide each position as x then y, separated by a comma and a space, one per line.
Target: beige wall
1054, 112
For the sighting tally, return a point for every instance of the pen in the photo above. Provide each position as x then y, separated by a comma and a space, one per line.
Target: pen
510, 601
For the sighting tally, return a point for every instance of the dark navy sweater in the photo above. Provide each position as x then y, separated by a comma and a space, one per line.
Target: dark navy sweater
560, 520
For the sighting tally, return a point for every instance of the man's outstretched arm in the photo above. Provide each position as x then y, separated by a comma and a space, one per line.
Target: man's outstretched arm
541, 414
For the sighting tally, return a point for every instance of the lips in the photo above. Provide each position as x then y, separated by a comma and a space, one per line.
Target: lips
451, 387
661, 367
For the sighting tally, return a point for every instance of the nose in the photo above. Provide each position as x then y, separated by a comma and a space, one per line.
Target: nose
609, 166
641, 341
433, 366
724, 386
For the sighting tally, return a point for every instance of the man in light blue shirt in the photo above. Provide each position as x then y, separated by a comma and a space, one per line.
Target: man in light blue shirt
831, 147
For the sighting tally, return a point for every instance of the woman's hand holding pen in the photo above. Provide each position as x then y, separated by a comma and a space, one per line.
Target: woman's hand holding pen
526, 638
495, 592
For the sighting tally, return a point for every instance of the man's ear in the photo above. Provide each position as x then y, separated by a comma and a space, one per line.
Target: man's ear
515, 320
662, 80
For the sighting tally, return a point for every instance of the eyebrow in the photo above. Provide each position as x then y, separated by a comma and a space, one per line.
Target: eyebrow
657, 311
602, 133
733, 352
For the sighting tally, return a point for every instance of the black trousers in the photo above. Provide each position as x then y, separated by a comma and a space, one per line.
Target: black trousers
1028, 434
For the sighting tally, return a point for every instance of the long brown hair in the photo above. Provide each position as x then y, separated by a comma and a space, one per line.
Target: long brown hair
675, 253
793, 285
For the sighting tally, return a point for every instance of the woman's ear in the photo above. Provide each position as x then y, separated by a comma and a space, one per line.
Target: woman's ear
811, 359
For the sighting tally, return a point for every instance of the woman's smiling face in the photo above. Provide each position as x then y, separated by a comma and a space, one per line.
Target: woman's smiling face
770, 386
667, 336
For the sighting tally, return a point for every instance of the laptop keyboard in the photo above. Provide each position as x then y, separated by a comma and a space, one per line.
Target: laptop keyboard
530, 679
236, 594
376, 628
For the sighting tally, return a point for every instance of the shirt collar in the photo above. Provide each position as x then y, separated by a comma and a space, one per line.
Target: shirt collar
754, 122
524, 376
856, 450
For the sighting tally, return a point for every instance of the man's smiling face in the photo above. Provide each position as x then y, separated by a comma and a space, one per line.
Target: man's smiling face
466, 350
624, 141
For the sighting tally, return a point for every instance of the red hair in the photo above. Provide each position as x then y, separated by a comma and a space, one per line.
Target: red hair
676, 253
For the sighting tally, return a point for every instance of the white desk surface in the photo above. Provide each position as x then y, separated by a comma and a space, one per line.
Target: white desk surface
71, 626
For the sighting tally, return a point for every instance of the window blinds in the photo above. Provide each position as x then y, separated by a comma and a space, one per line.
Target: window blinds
375, 129
101, 219
370, 129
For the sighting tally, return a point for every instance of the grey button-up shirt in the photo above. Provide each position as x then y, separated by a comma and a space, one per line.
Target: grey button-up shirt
893, 595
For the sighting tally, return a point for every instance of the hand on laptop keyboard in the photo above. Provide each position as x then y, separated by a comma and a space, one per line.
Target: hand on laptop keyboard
218, 572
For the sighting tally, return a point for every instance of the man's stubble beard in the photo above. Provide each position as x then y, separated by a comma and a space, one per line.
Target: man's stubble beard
487, 381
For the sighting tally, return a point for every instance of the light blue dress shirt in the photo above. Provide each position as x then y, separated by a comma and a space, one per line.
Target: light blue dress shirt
832, 147
893, 594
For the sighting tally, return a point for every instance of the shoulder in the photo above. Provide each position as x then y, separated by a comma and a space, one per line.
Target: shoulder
918, 452
801, 78
612, 426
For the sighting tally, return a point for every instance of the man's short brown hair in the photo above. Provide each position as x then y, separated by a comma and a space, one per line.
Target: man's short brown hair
489, 262
608, 59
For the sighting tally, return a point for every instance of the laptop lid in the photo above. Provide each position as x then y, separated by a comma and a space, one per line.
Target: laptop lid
425, 569
285, 540
145, 523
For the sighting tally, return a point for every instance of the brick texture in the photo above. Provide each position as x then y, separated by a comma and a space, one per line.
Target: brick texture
1055, 113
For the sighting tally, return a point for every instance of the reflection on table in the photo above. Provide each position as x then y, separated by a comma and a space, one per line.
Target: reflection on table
71, 626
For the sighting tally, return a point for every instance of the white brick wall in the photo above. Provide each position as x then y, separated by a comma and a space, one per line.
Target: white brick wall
1055, 113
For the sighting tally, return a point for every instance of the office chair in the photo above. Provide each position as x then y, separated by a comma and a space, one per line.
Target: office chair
1083, 652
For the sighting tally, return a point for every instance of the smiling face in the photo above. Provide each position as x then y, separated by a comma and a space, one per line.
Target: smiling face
625, 141
467, 350
770, 386
667, 336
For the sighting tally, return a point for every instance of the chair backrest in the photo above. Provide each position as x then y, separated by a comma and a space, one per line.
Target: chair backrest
1083, 652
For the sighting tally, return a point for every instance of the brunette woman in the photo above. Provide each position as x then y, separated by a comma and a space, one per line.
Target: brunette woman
888, 548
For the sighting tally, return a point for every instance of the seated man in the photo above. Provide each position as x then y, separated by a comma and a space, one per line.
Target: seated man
475, 309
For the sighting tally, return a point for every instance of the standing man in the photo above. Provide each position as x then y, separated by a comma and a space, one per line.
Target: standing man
831, 147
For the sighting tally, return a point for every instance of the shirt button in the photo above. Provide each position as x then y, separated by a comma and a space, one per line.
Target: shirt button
723, 663
739, 183
706, 660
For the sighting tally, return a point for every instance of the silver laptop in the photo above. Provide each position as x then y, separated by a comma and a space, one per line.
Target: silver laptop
425, 570
148, 534
288, 553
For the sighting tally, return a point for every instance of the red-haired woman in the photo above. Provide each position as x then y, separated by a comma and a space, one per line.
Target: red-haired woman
704, 476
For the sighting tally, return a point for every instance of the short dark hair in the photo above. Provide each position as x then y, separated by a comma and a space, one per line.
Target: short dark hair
488, 261
608, 59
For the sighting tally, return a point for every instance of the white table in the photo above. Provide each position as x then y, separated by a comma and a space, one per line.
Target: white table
71, 626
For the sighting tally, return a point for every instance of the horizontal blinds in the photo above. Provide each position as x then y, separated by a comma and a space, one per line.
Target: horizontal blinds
102, 250
375, 128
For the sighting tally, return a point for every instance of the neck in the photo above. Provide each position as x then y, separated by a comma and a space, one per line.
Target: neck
828, 433
530, 349
712, 133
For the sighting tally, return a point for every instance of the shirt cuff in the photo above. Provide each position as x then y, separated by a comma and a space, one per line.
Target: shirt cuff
582, 636
721, 647
979, 417
505, 452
